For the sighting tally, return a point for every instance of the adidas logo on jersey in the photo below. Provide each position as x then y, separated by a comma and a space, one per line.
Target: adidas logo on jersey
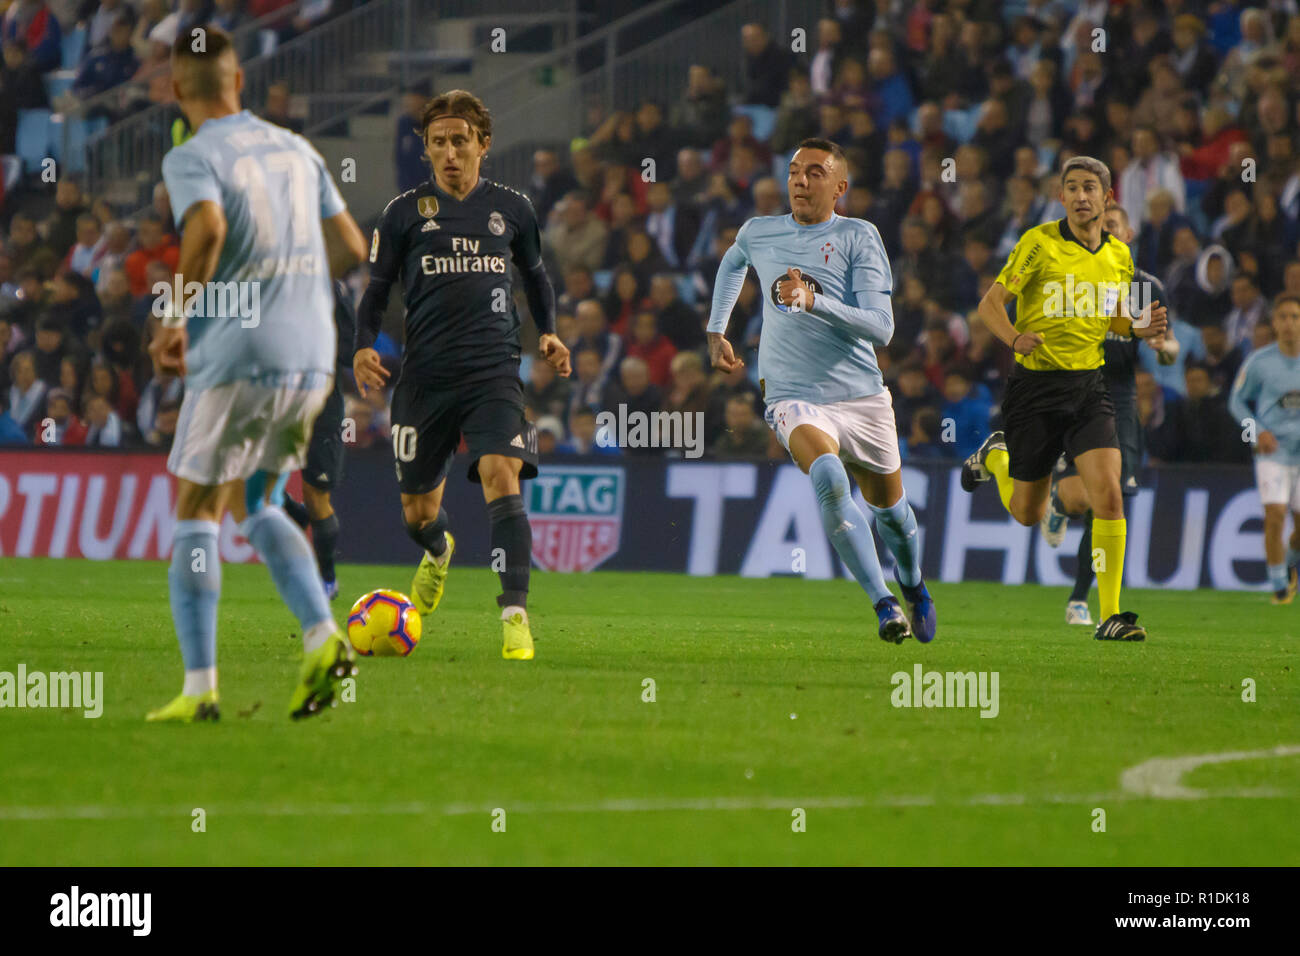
517, 441
429, 226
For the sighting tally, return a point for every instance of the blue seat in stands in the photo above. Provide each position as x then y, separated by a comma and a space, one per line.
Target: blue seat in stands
74, 46
33, 138
762, 117
58, 82
602, 279
79, 131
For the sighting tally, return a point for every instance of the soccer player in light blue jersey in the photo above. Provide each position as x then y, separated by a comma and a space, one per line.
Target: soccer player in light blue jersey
826, 306
262, 227
1265, 398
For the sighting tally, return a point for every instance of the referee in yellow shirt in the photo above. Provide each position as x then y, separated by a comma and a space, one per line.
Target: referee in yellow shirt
1072, 283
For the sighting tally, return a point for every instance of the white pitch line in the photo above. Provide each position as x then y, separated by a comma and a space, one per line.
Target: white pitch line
1162, 777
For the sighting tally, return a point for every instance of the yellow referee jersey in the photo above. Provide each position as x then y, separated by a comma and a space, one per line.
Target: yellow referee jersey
1066, 293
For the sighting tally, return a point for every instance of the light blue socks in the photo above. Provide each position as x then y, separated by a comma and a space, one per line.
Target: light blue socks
897, 526
847, 526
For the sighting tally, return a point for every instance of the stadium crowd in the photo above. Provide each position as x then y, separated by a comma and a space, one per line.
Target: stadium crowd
955, 115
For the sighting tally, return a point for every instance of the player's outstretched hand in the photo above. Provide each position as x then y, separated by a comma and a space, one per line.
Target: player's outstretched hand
555, 352
1153, 321
168, 351
1026, 342
369, 370
721, 355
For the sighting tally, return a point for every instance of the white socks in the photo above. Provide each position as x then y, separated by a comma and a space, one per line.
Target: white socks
199, 681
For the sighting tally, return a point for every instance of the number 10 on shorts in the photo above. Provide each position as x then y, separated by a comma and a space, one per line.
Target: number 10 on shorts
404, 442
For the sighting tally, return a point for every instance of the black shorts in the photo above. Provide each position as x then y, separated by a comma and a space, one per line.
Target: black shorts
324, 466
429, 421
1050, 412
1132, 445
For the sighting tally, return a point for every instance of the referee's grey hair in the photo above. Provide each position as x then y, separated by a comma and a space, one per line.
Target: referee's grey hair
1088, 165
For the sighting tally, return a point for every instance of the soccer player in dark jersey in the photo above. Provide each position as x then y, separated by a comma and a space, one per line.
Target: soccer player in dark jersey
324, 466
451, 240
1069, 498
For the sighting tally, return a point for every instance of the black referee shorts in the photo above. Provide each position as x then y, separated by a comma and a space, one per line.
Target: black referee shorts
324, 466
1132, 444
428, 423
1046, 413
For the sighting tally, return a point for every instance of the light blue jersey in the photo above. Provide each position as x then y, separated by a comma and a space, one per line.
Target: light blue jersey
1267, 389
275, 190
826, 354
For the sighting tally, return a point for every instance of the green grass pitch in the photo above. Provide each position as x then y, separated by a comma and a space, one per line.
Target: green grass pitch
770, 696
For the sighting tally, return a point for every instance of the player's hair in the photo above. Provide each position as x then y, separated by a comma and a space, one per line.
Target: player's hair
1284, 297
201, 73
1116, 207
462, 104
1088, 165
816, 142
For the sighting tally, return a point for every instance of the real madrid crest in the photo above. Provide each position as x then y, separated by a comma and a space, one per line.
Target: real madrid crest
496, 225
428, 206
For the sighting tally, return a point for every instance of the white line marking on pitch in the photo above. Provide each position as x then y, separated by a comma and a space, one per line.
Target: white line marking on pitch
1157, 778
1162, 777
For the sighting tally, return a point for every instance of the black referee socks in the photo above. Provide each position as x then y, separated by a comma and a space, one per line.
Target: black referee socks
512, 539
432, 537
325, 540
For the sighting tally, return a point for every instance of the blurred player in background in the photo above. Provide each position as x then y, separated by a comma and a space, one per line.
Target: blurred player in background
1070, 280
1069, 499
825, 309
451, 241
1267, 393
257, 209
324, 466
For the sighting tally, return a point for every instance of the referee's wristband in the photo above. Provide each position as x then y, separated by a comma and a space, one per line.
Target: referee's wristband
1015, 340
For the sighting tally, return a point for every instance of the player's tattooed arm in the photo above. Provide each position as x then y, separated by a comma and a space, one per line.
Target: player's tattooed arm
993, 313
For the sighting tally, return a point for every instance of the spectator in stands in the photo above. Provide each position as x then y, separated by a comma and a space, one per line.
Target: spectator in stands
1149, 170
723, 387
1247, 308
912, 393
51, 345
700, 117
104, 427
26, 249
61, 227
594, 335
408, 148
688, 391
161, 391
276, 109
1222, 358
968, 406
643, 258
632, 390
84, 257
74, 306
588, 381
919, 256
60, 426
1191, 56
655, 140
673, 227
583, 438
109, 65
766, 65
986, 356
923, 441
32, 25
152, 245
142, 307
545, 390
117, 246
889, 87
549, 181
768, 198
624, 298
651, 346
826, 61
740, 133
27, 393
796, 116
744, 434
9, 340
622, 221
550, 432
229, 16
578, 285
576, 236
1198, 429
1155, 243
682, 325
692, 180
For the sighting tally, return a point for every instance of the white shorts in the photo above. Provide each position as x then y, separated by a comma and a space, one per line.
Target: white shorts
1279, 484
234, 430
864, 428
